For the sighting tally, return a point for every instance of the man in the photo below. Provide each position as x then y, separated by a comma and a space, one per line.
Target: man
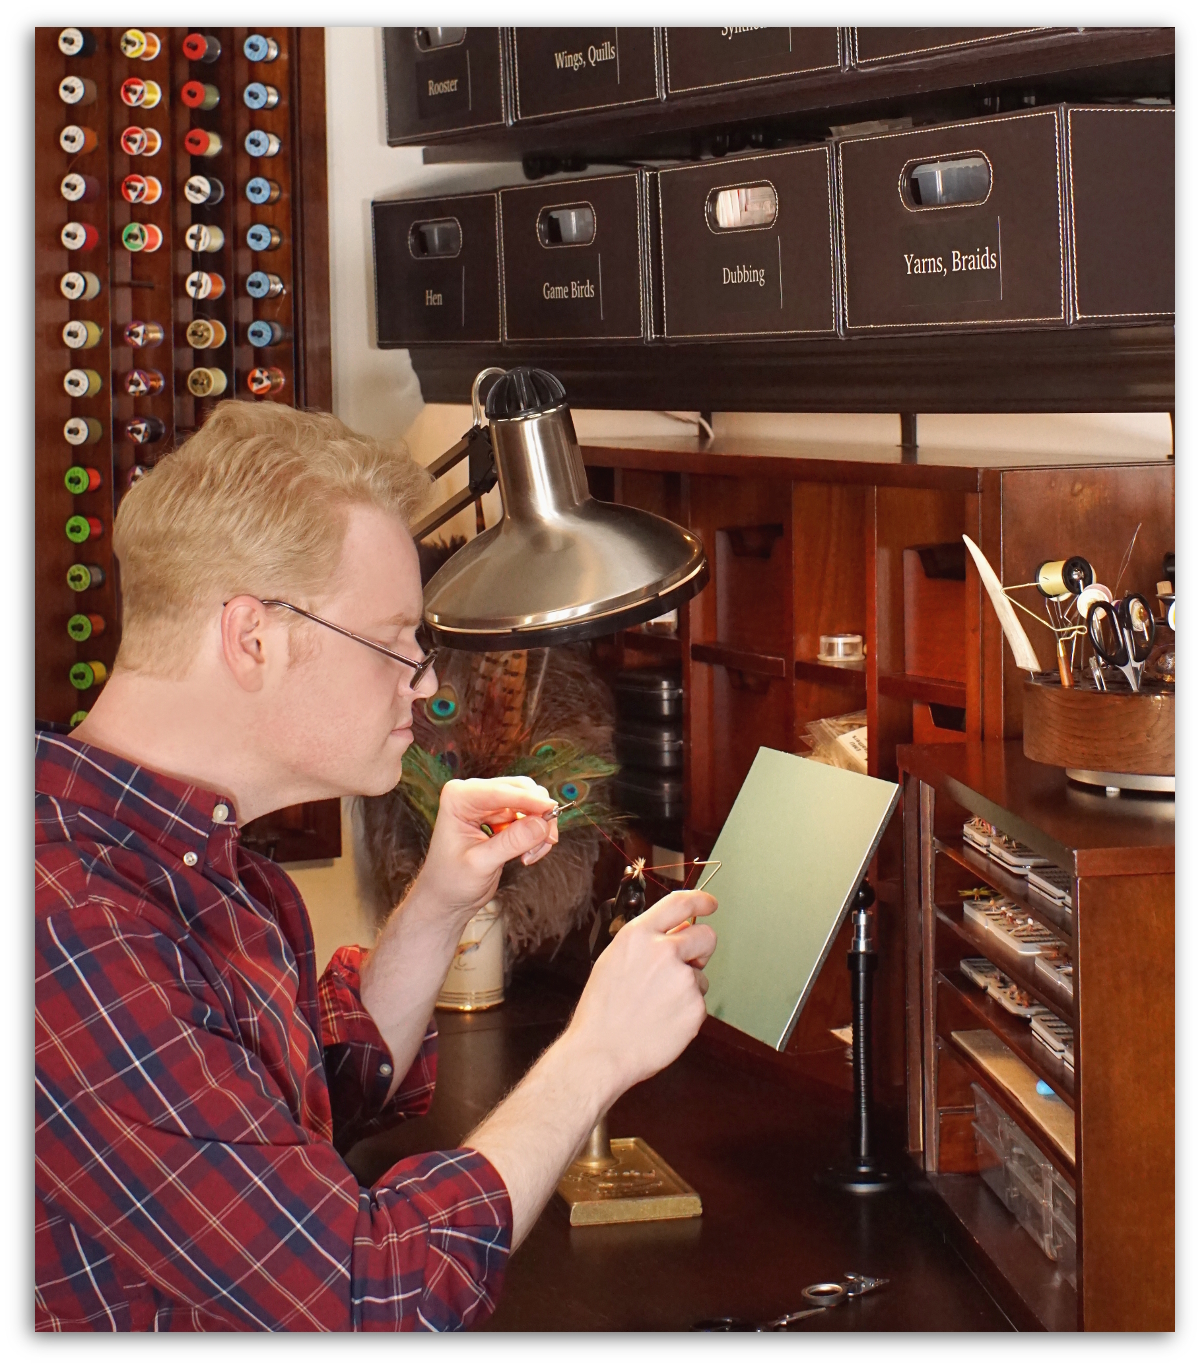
196, 1084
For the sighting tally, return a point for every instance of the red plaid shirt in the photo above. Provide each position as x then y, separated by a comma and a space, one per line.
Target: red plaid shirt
197, 1083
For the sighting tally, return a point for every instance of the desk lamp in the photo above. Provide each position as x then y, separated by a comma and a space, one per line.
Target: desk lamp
560, 566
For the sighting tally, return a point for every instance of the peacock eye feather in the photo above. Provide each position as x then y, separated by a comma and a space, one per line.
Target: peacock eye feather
573, 790
443, 706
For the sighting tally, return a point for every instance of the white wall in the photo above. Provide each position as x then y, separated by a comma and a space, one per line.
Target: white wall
377, 392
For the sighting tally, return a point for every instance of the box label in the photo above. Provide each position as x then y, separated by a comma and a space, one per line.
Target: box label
945, 261
444, 83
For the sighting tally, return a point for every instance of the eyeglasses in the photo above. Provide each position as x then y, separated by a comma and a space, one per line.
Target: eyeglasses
419, 667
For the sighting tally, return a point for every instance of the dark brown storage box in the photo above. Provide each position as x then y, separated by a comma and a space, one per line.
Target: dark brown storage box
748, 282
1121, 198
575, 70
872, 45
423, 298
710, 58
909, 265
592, 290
443, 90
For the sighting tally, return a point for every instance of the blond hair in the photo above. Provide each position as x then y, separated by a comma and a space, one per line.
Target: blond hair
254, 502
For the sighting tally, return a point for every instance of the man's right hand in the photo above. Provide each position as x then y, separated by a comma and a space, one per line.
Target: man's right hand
644, 1001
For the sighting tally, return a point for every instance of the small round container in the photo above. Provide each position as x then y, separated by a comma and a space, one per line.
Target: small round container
264, 332
841, 648
264, 380
200, 95
257, 95
140, 334
203, 190
80, 529
476, 979
201, 47
77, 90
260, 190
264, 285
79, 189
261, 144
82, 334
258, 48
79, 237
143, 383
81, 577
82, 626
76, 42
204, 285
142, 431
81, 479
204, 237
202, 142
79, 285
82, 384
85, 674
205, 333
76, 140
82, 431
207, 382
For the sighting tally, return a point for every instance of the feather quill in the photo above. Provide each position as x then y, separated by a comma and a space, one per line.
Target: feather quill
1024, 652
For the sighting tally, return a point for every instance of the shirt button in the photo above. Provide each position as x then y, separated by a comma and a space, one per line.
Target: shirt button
191, 859
385, 1069
220, 812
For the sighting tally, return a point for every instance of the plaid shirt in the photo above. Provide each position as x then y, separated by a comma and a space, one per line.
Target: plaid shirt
196, 1085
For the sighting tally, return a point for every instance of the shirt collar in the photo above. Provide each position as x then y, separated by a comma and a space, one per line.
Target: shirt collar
170, 812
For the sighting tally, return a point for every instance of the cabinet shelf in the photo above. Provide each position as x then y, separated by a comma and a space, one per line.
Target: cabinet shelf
1014, 888
852, 676
921, 688
1013, 965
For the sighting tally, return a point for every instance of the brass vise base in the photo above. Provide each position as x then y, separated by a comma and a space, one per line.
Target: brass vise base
639, 1185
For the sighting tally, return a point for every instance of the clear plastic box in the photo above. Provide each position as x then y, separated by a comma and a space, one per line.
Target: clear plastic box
991, 1164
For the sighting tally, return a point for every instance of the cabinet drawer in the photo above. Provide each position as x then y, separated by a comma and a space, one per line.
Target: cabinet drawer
708, 58
573, 70
747, 245
1122, 199
872, 45
961, 225
437, 270
572, 260
440, 81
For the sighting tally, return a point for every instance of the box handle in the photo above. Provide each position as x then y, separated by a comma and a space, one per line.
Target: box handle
956, 181
431, 39
435, 237
735, 208
567, 225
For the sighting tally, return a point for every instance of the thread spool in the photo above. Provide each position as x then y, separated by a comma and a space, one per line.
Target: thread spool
81, 334
79, 285
79, 189
79, 237
259, 48
140, 94
82, 479
258, 95
142, 237
81, 577
204, 237
76, 42
202, 142
142, 431
204, 285
82, 384
136, 472
1093, 593
200, 95
85, 674
203, 190
140, 334
260, 190
81, 529
264, 285
139, 189
207, 382
142, 383
1062, 579
262, 237
841, 648
264, 332
201, 47
75, 140
77, 717
141, 142
205, 333
141, 44
82, 431
77, 90
264, 380
259, 143
82, 626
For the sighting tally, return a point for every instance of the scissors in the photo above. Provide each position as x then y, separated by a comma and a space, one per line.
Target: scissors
821, 1296
1123, 634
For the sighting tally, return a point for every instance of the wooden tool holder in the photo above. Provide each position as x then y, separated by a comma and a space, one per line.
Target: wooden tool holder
150, 285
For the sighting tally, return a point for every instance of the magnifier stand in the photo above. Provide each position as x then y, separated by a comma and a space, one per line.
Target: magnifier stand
863, 1174
622, 1181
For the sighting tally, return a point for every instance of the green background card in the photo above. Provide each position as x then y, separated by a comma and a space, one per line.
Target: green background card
794, 849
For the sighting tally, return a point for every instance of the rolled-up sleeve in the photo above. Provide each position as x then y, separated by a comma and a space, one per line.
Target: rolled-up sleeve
359, 1065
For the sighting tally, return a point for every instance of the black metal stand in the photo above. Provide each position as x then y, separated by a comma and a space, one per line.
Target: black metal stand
864, 1174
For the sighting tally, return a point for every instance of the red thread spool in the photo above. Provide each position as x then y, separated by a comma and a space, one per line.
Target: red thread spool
79, 237
201, 47
265, 379
140, 142
139, 189
200, 95
200, 142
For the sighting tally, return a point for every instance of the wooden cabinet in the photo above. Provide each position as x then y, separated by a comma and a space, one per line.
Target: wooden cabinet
1118, 854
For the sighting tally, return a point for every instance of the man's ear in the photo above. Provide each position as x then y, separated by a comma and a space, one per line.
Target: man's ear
244, 641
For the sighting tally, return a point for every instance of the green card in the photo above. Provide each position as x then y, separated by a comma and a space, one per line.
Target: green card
794, 849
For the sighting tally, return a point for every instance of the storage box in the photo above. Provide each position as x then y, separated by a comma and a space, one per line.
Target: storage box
870, 46
710, 58
572, 256
654, 745
575, 70
653, 797
440, 81
437, 270
747, 246
956, 226
655, 694
1121, 199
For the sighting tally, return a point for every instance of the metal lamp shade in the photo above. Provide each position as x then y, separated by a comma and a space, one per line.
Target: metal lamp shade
560, 565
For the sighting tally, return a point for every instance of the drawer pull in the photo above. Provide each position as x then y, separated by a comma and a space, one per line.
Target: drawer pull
568, 225
736, 207
946, 183
430, 39
435, 237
